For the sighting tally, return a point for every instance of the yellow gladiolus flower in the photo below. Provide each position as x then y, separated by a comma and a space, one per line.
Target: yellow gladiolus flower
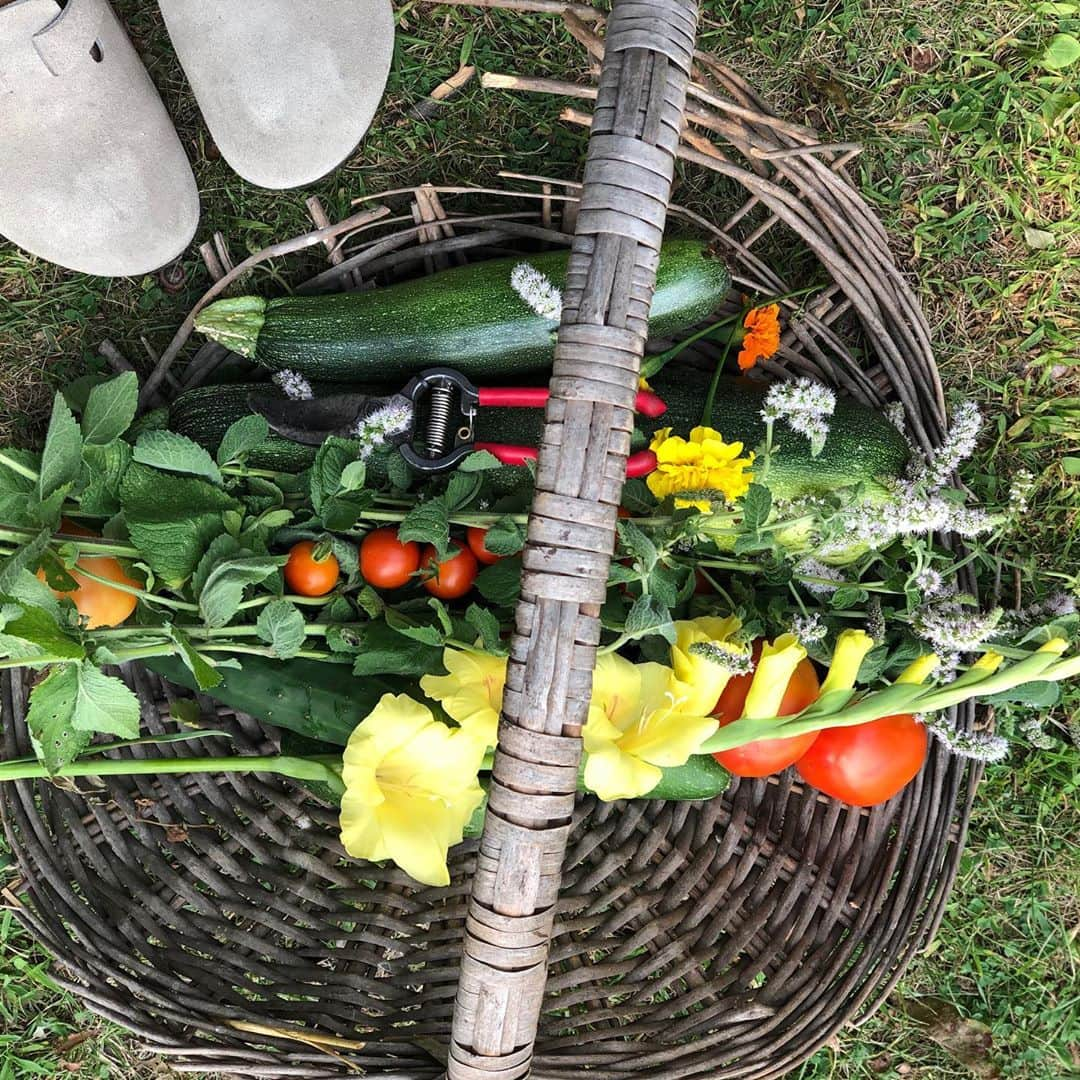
636, 728
1054, 645
851, 649
410, 788
989, 662
698, 682
773, 672
703, 463
919, 670
472, 693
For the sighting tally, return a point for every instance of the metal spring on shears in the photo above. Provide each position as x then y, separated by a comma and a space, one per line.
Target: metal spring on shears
437, 426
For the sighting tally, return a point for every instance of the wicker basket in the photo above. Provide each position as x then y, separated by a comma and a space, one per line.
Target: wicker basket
218, 918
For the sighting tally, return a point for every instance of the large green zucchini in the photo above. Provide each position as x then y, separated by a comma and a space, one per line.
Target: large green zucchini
469, 318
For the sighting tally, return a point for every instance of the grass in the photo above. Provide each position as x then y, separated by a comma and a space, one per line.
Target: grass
973, 161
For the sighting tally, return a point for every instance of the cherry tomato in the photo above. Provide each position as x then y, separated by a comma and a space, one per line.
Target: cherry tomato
868, 763
475, 537
767, 756
308, 576
100, 604
451, 579
385, 561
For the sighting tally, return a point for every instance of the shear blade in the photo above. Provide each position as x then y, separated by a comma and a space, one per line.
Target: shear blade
314, 421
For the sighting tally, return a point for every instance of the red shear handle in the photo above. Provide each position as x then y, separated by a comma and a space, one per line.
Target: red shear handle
640, 464
535, 397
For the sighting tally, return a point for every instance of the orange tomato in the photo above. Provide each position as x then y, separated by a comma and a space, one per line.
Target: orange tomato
308, 576
767, 756
100, 604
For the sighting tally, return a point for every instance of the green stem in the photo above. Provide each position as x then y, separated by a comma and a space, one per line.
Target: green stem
298, 768
714, 386
264, 650
164, 648
653, 365
308, 601
264, 474
83, 544
18, 467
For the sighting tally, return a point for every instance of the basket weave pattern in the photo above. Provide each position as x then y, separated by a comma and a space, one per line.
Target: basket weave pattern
218, 917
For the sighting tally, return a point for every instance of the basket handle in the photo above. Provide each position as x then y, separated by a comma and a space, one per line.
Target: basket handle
571, 535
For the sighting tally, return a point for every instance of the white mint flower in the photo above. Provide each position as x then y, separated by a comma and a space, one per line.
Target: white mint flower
376, 428
537, 291
976, 745
808, 628
804, 405
812, 568
732, 658
293, 385
958, 446
1032, 730
929, 582
949, 627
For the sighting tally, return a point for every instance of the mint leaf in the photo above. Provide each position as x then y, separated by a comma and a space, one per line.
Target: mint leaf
649, 616
110, 409
206, 676
428, 523
398, 472
638, 545
61, 458
106, 466
462, 489
244, 435
505, 537
334, 456
281, 626
479, 461
223, 592
221, 548
104, 704
171, 519
756, 506
51, 716
428, 635
175, 453
487, 626
500, 584
354, 476
371, 603
384, 651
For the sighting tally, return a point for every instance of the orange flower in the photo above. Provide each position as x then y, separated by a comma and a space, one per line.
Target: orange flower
762, 337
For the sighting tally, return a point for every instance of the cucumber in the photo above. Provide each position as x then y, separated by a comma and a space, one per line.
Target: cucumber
469, 318
319, 701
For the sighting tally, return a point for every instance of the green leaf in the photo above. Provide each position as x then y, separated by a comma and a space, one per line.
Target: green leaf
756, 506
664, 585
848, 596
171, 519
206, 676
340, 513
500, 584
505, 537
61, 458
1036, 695
221, 548
427, 634
104, 704
649, 616
383, 651
51, 716
487, 626
462, 489
40, 629
333, 457
106, 466
638, 545
398, 472
354, 476
282, 627
177, 453
427, 523
371, 603
110, 409
241, 437
746, 543
1062, 52
221, 596
479, 461
1071, 465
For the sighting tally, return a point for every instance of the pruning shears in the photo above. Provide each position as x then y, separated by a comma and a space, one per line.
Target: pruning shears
443, 406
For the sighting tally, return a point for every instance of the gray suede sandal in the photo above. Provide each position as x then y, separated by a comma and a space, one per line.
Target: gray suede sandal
92, 173
287, 89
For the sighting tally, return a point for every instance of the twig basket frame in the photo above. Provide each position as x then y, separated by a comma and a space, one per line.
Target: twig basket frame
218, 918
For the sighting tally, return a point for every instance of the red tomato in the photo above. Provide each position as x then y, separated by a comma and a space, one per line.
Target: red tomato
386, 562
101, 605
475, 537
308, 576
868, 763
767, 756
453, 578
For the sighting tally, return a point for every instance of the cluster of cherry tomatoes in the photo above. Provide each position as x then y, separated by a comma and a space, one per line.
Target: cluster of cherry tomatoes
862, 765
388, 563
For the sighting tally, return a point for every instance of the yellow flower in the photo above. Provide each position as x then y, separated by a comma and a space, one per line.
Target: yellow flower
919, 670
773, 672
702, 464
697, 682
635, 728
851, 649
472, 693
410, 788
